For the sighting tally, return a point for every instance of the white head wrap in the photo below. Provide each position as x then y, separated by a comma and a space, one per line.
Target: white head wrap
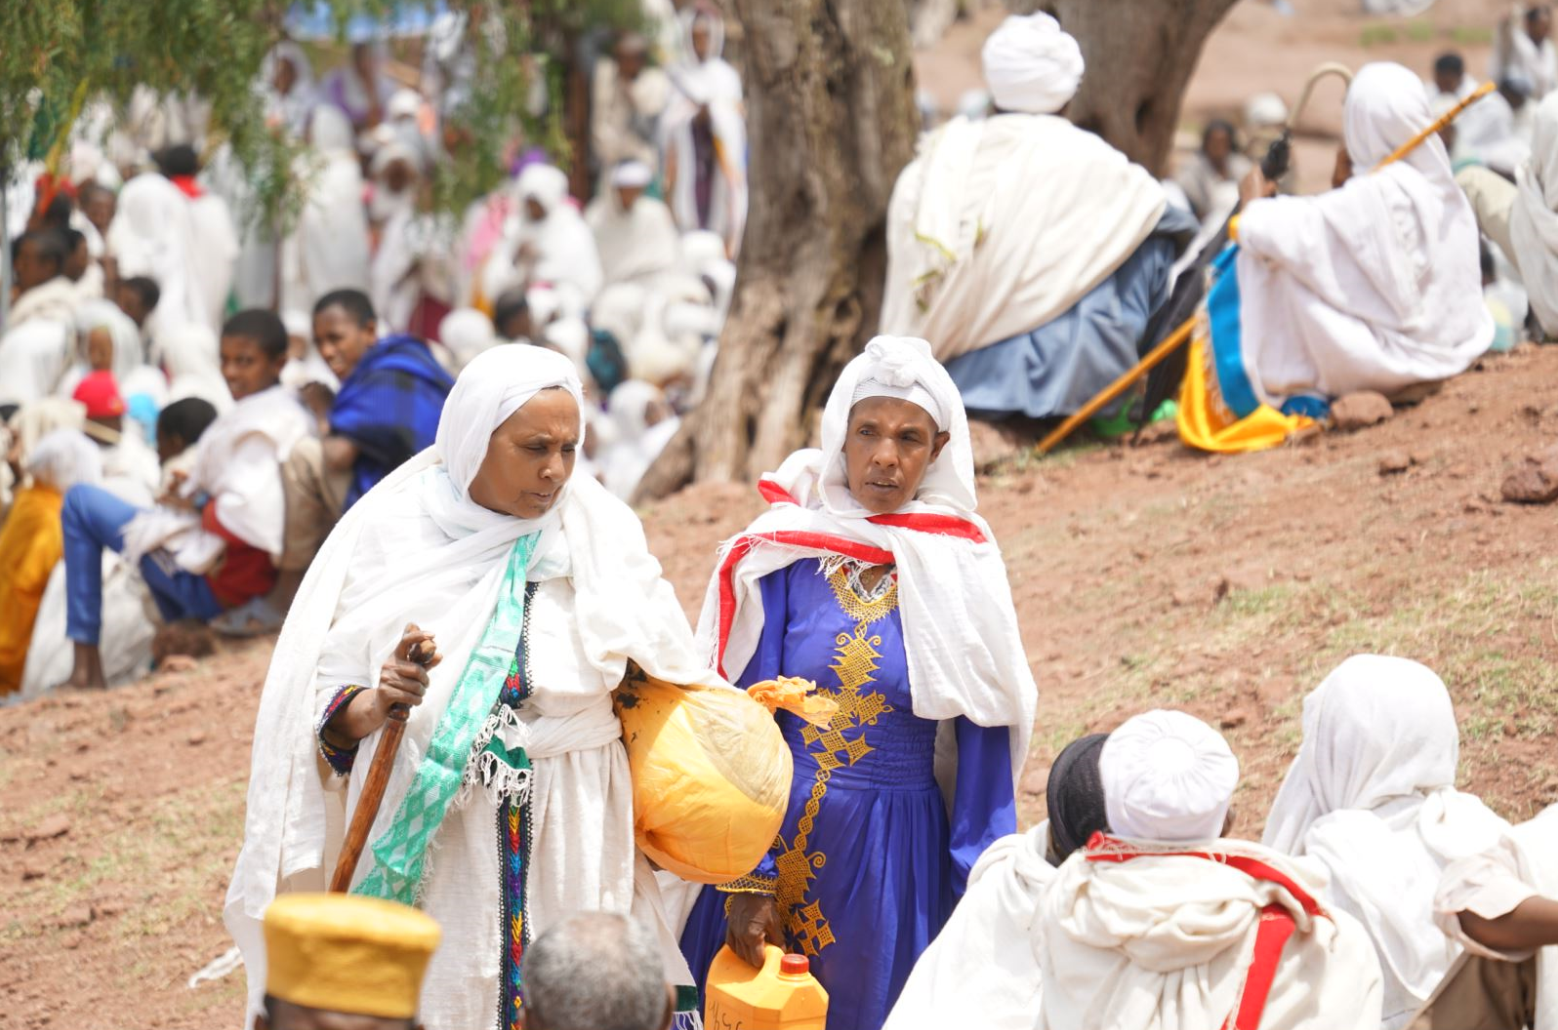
128, 352
896, 373
631, 175
1032, 65
467, 332
403, 103
1265, 110
544, 184
492, 387
64, 458
1372, 795
1167, 777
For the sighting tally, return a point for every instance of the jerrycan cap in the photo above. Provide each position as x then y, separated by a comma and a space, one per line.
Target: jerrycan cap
794, 965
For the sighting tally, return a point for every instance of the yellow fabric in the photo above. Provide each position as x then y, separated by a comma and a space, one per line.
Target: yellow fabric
346, 953
711, 776
31, 544
1206, 424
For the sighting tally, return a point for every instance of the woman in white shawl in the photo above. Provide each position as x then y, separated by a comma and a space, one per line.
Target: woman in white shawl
287, 86
1372, 796
634, 233
153, 235
533, 589
546, 242
1376, 285
644, 423
873, 576
705, 135
328, 250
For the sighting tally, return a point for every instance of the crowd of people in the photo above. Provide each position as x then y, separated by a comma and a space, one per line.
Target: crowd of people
405, 440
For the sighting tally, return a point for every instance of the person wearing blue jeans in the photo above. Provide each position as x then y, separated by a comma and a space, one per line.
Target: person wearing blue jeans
92, 519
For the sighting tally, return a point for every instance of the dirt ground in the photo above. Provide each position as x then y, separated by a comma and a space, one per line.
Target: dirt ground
1144, 576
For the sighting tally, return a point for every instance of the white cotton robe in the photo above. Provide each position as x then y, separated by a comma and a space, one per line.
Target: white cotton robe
1373, 286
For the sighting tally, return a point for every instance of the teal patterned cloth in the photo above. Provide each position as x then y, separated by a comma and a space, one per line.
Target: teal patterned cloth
400, 854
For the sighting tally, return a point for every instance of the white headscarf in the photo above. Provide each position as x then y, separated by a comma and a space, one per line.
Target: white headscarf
467, 333
637, 444
1533, 225
568, 258
1031, 64
418, 549
1372, 795
65, 458
1168, 777
965, 651
130, 370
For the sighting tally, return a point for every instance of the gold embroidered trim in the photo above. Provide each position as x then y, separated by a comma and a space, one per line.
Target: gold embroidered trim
842, 742
750, 884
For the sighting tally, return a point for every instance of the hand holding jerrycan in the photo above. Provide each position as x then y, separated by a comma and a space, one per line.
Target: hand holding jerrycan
783, 995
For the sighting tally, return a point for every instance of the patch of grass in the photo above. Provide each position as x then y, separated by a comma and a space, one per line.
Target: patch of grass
1377, 35
1472, 35
1421, 31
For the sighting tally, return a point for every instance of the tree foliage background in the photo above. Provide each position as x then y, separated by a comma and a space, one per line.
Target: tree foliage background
59, 55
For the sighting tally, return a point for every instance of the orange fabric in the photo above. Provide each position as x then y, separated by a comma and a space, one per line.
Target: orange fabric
1206, 424
31, 544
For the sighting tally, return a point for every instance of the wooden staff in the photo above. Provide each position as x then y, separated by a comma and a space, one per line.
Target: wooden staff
1180, 335
372, 796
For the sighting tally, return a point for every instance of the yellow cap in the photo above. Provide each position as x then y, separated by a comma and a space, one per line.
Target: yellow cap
344, 953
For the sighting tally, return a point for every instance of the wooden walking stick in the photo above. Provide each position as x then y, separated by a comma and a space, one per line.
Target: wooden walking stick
372, 796
1178, 337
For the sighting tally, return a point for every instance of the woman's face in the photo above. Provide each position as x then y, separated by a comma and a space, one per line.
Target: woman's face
100, 349
887, 450
530, 457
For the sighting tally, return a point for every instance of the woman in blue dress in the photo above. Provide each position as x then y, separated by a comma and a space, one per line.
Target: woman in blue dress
872, 576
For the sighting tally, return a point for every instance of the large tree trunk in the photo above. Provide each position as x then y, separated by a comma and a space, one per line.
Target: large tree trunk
1140, 55
831, 120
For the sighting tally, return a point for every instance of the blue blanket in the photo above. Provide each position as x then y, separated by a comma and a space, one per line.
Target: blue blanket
389, 407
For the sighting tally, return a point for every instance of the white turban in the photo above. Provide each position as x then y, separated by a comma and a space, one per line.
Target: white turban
1167, 777
631, 175
65, 458
1032, 65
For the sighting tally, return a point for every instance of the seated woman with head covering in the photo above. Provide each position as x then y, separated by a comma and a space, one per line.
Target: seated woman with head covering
1029, 252
983, 968
1162, 924
1375, 285
526, 591
1372, 796
872, 576
546, 242
32, 543
634, 232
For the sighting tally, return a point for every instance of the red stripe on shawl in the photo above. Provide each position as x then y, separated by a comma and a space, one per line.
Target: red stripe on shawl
187, 186
1271, 936
945, 525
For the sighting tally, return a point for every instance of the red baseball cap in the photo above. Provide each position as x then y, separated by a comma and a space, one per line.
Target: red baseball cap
100, 394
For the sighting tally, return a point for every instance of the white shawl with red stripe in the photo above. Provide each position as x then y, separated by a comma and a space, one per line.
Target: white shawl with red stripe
965, 652
1141, 936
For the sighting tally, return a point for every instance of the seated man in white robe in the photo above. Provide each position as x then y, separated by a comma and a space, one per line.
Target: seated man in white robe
1375, 285
1371, 795
1029, 252
1501, 905
1523, 45
983, 969
1164, 926
634, 232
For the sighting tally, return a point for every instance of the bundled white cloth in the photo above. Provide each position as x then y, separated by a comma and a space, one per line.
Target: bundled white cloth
238, 464
1031, 64
192, 356
467, 333
977, 252
1167, 776
983, 967
417, 549
965, 651
1372, 796
1492, 883
1373, 286
1165, 941
1533, 224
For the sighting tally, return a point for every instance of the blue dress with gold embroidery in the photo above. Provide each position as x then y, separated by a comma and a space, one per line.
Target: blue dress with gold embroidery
868, 863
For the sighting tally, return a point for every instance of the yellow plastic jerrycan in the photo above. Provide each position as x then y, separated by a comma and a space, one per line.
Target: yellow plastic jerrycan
783, 995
